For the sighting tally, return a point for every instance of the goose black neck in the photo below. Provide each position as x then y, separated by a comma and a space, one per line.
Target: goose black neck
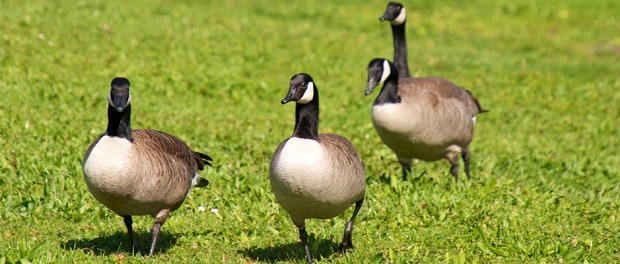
119, 123
389, 92
307, 119
400, 50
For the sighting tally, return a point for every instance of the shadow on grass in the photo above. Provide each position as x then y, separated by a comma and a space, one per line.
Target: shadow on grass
119, 243
292, 251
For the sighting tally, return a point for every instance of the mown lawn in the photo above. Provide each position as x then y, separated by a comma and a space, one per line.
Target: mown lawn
545, 184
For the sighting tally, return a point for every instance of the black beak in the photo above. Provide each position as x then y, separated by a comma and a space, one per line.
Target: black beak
288, 97
370, 85
119, 101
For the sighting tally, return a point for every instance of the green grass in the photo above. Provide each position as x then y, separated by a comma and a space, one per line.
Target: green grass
545, 163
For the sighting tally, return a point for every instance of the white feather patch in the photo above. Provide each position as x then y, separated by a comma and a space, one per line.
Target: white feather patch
300, 157
396, 118
307, 182
110, 100
400, 19
195, 179
107, 166
308, 94
301, 168
386, 71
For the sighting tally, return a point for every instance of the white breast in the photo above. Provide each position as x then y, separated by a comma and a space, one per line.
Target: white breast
413, 130
396, 118
108, 158
300, 164
108, 162
304, 182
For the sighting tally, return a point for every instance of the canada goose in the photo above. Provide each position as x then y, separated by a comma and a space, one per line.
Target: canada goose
139, 172
427, 118
315, 175
397, 15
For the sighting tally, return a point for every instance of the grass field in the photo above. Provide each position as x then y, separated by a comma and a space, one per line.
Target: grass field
545, 184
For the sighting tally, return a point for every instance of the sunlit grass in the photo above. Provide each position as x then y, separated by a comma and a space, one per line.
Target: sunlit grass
545, 178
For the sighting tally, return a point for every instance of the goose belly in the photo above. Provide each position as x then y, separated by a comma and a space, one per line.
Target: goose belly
117, 182
305, 183
417, 134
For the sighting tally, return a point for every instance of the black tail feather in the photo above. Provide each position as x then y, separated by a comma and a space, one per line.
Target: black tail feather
203, 159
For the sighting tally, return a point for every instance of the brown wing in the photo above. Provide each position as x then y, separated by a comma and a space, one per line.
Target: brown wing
342, 149
162, 142
442, 88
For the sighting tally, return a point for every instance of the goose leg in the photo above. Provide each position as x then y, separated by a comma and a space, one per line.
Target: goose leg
135, 246
160, 219
454, 168
348, 230
155, 232
303, 235
465, 157
406, 164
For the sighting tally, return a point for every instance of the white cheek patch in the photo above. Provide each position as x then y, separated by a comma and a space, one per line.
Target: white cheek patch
110, 100
473, 118
112, 103
400, 19
386, 71
308, 94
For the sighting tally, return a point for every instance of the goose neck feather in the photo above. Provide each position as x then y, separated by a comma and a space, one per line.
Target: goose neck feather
119, 123
307, 118
389, 91
400, 50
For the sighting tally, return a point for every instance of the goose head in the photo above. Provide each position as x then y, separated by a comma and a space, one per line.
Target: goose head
119, 97
300, 90
395, 13
378, 71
